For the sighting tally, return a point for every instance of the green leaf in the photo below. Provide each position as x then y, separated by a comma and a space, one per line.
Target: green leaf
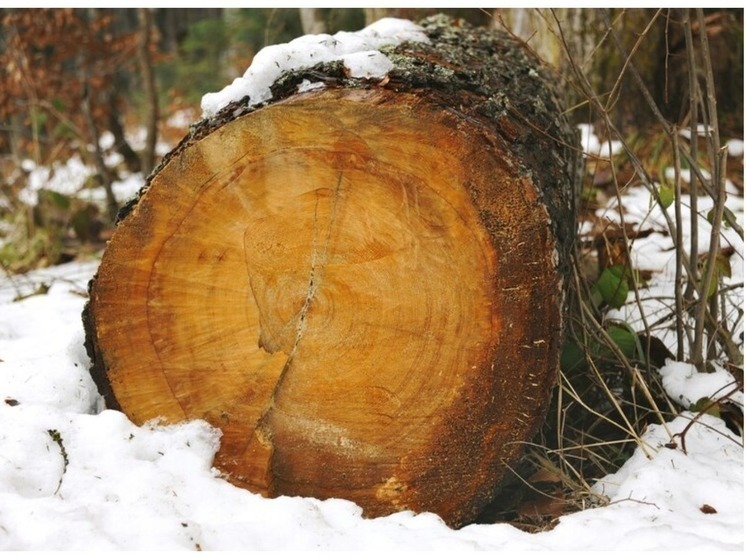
666, 195
722, 269
727, 215
722, 265
572, 358
712, 288
55, 199
39, 118
624, 337
613, 286
705, 405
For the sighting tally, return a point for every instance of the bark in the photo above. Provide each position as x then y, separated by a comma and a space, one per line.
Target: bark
582, 28
345, 281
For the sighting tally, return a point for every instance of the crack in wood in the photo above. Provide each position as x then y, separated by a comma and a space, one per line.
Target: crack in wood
319, 259
318, 263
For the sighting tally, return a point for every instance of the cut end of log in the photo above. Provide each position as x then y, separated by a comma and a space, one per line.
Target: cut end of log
358, 286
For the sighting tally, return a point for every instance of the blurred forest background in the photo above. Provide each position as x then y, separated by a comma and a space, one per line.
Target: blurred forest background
89, 82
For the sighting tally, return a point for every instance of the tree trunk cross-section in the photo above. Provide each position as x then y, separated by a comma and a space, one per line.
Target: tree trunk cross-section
361, 286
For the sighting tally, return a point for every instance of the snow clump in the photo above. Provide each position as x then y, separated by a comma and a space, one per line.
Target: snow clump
358, 51
683, 383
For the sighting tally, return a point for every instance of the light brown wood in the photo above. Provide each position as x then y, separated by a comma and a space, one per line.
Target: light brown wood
359, 287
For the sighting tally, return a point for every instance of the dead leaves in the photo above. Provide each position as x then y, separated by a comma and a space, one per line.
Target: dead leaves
707, 509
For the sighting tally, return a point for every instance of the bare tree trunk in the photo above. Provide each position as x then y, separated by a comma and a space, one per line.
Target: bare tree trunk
374, 14
111, 201
312, 21
151, 94
131, 159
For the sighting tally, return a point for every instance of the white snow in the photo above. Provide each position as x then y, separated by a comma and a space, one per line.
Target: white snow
106, 140
65, 178
137, 137
181, 118
684, 384
669, 173
70, 178
358, 51
686, 174
128, 487
593, 147
702, 130
666, 496
655, 253
308, 85
735, 147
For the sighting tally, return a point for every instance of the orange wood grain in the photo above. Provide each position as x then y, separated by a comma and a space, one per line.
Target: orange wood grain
359, 288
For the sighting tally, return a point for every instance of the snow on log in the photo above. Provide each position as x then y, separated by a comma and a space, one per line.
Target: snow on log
359, 280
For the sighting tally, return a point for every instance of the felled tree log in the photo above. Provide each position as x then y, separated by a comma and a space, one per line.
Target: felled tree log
361, 286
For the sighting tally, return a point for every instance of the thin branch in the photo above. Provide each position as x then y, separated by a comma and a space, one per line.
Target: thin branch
717, 156
693, 139
678, 295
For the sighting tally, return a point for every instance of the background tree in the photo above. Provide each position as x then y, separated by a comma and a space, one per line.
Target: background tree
312, 21
150, 92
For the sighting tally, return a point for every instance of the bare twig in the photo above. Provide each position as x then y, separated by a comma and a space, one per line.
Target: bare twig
712, 404
693, 139
717, 158
57, 438
678, 295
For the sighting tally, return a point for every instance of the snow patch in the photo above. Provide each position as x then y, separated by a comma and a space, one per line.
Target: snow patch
592, 146
735, 148
684, 384
307, 85
181, 119
66, 178
106, 141
686, 174
368, 64
358, 51
702, 131
674, 493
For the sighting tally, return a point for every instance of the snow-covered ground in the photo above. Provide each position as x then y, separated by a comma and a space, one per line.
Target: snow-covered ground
74, 476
